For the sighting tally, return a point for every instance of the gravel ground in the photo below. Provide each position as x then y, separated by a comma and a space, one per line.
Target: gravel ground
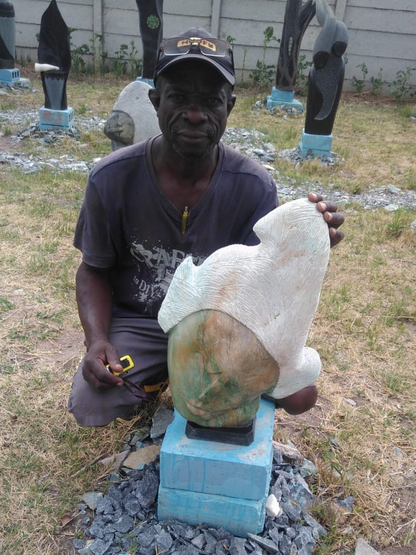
250, 142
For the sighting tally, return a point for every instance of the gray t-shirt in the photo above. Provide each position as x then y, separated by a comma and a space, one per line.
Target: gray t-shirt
128, 225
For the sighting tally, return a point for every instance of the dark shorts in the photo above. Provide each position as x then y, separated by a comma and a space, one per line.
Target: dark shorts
146, 343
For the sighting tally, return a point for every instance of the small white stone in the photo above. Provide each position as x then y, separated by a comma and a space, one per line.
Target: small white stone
273, 508
350, 402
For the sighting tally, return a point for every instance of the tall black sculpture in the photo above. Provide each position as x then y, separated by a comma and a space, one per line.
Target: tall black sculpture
54, 56
296, 21
8, 73
325, 82
151, 30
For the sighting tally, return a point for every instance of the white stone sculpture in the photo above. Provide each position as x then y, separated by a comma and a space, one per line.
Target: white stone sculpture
273, 289
133, 118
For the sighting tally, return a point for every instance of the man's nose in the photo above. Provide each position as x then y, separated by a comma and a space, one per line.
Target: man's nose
195, 112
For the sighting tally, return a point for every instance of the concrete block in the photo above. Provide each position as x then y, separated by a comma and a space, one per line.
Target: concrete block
9, 75
237, 516
282, 99
213, 468
319, 145
55, 119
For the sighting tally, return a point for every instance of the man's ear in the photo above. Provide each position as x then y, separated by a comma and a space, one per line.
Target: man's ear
154, 98
231, 104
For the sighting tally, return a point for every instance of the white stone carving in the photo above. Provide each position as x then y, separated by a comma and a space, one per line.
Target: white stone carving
272, 288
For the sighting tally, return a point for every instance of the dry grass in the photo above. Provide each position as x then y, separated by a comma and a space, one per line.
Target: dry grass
364, 330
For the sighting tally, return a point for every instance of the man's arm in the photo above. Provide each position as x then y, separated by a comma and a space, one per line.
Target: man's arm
94, 299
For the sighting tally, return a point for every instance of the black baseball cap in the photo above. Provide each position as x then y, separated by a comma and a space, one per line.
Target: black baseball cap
196, 44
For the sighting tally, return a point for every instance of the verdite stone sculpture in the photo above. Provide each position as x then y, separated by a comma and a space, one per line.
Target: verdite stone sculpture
238, 323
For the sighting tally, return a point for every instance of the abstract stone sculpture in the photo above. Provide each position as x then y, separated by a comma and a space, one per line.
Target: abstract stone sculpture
133, 118
8, 73
239, 322
325, 83
151, 30
7, 35
297, 19
54, 56
327, 74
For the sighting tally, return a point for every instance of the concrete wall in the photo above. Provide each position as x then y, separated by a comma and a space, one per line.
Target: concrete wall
382, 33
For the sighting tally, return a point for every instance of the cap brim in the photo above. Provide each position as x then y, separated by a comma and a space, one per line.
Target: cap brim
208, 59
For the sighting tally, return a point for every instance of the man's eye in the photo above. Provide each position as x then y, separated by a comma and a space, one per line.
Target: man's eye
213, 101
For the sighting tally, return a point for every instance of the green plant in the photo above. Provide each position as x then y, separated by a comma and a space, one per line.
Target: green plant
359, 84
100, 56
377, 83
263, 73
400, 88
398, 224
78, 65
301, 84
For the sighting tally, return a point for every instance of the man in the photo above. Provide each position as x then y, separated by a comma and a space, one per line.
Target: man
147, 207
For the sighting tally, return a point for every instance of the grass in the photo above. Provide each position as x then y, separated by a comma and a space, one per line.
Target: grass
364, 331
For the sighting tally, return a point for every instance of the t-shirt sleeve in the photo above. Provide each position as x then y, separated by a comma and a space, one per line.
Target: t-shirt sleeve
92, 233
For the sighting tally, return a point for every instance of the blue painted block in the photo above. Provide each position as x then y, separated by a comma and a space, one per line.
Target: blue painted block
280, 98
55, 119
237, 516
319, 145
146, 80
9, 75
217, 468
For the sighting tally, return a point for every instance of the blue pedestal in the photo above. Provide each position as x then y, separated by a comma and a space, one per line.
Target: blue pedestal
56, 119
217, 483
145, 80
282, 99
9, 75
318, 145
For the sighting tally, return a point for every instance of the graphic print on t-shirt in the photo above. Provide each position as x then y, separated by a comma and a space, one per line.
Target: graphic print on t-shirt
156, 266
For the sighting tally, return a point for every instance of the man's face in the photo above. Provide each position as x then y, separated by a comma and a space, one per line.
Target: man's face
193, 102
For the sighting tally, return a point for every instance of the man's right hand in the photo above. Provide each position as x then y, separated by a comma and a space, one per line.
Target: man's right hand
94, 366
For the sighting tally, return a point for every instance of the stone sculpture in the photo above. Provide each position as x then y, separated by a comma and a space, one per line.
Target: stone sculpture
296, 21
7, 35
151, 30
8, 73
327, 74
239, 322
133, 118
54, 56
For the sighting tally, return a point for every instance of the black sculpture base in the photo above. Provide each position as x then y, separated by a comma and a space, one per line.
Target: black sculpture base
238, 435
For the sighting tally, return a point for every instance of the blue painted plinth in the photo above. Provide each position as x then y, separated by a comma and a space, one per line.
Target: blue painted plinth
237, 516
217, 483
9, 75
145, 80
318, 145
56, 119
282, 99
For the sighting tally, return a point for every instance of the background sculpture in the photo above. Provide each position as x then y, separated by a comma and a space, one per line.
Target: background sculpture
238, 323
54, 56
8, 73
7, 35
151, 30
325, 82
327, 74
296, 21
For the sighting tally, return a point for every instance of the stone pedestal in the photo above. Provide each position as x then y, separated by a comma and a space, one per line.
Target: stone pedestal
149, 82
280, 99
318, 145
56, 119
9, 75
217, 483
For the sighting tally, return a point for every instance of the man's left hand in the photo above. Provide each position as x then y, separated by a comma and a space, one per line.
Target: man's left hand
333, 218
